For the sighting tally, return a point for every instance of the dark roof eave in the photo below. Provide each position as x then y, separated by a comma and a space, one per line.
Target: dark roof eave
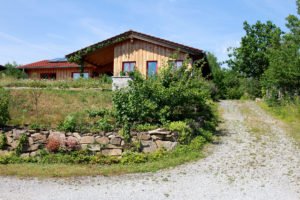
142, 36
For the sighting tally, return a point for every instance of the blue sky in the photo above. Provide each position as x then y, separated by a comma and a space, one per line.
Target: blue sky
32, 30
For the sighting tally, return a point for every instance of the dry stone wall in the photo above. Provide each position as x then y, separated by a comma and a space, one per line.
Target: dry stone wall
110, 143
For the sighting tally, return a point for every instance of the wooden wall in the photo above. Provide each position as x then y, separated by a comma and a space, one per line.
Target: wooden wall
61, 73
141, 52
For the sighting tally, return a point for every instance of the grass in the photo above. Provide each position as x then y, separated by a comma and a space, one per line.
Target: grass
172, 159
53, 105
289, 114
103, 83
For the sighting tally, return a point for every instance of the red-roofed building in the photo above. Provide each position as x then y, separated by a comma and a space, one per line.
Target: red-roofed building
59, 69
117, 56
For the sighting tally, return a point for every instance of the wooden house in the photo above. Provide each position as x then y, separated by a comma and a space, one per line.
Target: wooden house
118, 55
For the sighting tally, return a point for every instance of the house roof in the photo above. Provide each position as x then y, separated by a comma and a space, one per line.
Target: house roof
2, 67
134, 34
55, 63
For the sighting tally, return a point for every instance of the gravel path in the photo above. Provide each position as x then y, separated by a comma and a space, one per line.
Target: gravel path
254, 160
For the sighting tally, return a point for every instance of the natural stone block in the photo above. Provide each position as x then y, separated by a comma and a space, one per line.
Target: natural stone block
33, 147
112, 152
143, 136
159, 131
168, 145
77, 135
38, 137
87, 140
17, 133
102, 140
94, 147
148, 146
116, 141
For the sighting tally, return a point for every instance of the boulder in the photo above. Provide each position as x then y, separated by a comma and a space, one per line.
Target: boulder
33, 147
9, 134
58, 135
143, 136
159, 131
111, 146
111, 152
38, 137
94, 147
17, 133
102, 140
33, 154
72, 143
168, 145
87, 140
77, 135
116, 141
148, 146
157, 137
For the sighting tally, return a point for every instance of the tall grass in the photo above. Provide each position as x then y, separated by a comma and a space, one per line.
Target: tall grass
53, 105
288, 112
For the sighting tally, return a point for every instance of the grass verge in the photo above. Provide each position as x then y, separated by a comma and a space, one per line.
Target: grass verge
171, 159
289, 114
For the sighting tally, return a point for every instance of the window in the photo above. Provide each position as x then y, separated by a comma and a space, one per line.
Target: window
51, 76
76, 75
128, 66
176, 63
151, 68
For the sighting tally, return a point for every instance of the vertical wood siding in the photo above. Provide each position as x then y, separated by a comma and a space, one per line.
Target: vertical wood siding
141, 52
61, 73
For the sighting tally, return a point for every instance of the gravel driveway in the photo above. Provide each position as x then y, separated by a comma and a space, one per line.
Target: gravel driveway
254, 160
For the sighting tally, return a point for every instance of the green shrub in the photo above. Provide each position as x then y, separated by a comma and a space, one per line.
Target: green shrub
134, 157
23, 141
69, 124
172, 95
197, 143
185, 132
3, 141
145, 127
103, 124
4, 102
207, 135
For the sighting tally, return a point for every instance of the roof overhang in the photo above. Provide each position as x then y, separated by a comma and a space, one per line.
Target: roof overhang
136, 35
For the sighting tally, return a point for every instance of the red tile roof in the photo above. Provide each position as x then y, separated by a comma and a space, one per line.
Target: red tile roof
48, 64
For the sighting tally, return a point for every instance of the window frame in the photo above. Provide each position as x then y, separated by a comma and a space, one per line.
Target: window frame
80, 73
149, 61
128, 62
48, 74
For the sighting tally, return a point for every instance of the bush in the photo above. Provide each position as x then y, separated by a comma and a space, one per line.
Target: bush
53, 144
69, 124
3, 141
23, 142
185, 132
172, 95
197, 143
4, 101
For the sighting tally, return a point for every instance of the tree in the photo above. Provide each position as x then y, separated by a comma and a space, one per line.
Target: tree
250, 59
283, 75
12, 71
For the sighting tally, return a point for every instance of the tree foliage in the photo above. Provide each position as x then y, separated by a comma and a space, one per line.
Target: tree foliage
250, 59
